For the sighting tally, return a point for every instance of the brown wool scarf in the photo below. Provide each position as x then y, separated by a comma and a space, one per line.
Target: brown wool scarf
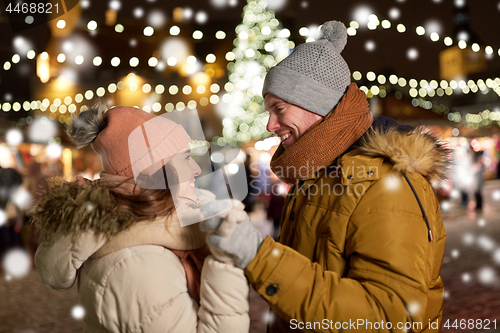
192, 261
325, 140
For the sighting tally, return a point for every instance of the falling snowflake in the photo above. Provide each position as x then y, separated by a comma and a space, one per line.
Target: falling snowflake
414, 308
115, 5
14, 137
412, 54
468, 239
78, 312
54, 150
394, 13
22, 198
90, 207
445, 206
268, 317
466, 277
276, 5
433, 26
218, 3
455, 253
391, 182
361, 14
496, 256
187, 13
487, 275
174, 47
138, 12
3, 217
486, 243
157, 19
85, 4
463, 35
370, 46
201, 17
22, 45
17, 263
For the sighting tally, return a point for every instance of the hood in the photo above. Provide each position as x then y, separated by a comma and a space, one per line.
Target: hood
77, 208
409, 150
70, 208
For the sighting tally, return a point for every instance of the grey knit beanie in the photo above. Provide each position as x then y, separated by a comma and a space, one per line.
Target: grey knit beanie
314, 76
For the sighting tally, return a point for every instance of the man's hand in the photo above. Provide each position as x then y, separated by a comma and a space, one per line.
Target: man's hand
232, 237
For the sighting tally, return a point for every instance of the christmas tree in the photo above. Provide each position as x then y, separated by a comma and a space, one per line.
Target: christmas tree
259, 45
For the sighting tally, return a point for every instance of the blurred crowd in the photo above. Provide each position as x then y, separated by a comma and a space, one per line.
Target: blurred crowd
19, 191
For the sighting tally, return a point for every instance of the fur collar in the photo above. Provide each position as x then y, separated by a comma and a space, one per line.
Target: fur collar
70, 208
409, 151
73, 208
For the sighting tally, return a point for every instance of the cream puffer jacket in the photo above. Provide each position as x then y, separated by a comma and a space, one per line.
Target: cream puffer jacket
132, 282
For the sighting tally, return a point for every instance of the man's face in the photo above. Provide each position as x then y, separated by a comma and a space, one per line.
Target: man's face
288, 121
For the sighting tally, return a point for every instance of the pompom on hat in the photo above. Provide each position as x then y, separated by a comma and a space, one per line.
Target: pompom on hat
314, 76
128, 140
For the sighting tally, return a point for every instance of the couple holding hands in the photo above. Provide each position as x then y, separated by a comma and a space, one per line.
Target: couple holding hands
143, 265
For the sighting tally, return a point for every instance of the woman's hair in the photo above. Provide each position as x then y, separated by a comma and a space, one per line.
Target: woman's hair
148, 204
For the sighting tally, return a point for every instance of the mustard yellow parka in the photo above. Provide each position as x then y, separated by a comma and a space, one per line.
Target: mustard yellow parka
355, 253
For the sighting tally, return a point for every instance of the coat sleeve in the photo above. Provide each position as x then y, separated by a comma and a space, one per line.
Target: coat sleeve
58, 261
387, 252
157, 298
224, 298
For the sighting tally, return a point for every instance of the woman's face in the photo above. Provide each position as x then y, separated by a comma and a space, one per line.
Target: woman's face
187, 169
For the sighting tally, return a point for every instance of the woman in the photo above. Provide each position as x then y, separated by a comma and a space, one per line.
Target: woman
138, 270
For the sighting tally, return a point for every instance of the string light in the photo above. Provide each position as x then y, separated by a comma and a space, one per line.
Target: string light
450, 88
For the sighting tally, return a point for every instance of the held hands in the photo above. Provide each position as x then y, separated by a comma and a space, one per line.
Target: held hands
232, 237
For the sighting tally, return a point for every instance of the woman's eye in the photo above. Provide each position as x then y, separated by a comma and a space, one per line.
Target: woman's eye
188, 157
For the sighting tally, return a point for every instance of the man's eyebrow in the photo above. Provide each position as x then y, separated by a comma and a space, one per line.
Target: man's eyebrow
273, 105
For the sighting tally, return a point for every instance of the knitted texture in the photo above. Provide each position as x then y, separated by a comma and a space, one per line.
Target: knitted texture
129, 141
314, 76
326, 140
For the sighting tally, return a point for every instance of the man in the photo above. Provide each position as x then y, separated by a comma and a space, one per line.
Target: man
362, 237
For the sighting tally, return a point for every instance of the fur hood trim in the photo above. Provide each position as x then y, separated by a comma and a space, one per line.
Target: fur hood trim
69, 208
410, 151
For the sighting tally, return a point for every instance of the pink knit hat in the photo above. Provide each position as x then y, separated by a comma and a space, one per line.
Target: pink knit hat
129, 140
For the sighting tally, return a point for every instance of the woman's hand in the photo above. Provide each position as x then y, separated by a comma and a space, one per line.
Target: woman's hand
232, 237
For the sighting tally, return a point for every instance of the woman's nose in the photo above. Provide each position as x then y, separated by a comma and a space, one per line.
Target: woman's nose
272, 123
196, 169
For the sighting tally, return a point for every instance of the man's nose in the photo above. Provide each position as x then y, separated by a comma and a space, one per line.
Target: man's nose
272, 123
